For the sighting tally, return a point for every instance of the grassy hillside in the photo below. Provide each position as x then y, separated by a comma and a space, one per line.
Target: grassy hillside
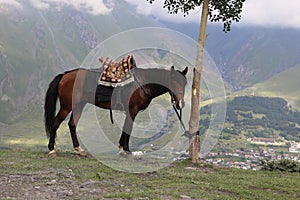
285, 85
254, 116
34, 175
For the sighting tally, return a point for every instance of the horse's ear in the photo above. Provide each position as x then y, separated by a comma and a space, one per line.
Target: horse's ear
184, 72
172, 68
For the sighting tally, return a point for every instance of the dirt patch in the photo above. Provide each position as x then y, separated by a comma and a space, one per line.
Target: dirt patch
48, 184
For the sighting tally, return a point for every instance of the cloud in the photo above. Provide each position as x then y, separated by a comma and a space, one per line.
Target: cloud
40, 4
95, 7
5, 3
269, 13
156, 10
272, 13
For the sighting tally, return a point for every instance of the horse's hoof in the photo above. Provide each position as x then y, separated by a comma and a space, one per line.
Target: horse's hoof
124, 153
52, 153
80, 151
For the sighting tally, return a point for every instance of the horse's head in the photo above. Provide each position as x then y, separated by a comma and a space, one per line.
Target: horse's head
177, 85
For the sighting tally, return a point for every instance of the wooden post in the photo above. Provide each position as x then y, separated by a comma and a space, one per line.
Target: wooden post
195, 99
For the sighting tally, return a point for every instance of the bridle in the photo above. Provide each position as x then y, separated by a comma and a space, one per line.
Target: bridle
173, 102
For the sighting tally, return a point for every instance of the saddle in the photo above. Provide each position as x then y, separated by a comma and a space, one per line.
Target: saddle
116, 73
113, 76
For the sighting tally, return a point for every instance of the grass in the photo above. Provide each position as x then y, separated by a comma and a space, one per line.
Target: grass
180, 179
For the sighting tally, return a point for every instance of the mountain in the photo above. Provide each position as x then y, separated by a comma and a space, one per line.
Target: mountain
254, 55
37, 44
248, 55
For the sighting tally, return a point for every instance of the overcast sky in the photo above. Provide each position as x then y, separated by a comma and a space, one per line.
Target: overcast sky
96, 7
275, 13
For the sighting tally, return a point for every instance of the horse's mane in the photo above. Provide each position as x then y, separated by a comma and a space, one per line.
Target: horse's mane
72, 70
160, 73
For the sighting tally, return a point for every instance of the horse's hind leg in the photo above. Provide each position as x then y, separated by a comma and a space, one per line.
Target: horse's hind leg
61, 115
76, 114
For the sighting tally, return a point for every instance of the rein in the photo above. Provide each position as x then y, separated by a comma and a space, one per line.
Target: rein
179, 115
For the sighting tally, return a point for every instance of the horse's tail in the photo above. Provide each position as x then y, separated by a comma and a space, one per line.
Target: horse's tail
50, 104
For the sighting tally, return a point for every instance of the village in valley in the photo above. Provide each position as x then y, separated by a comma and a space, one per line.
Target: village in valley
250, 159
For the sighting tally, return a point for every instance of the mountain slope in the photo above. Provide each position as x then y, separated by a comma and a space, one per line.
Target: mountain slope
285, 85
248, 55
37, 44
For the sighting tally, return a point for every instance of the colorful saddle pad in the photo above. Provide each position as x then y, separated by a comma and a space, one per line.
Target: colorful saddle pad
117, 74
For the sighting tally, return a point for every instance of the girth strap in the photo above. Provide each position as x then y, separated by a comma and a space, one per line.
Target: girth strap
111, 116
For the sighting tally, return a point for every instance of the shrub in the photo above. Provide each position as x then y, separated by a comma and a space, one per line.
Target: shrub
280, 165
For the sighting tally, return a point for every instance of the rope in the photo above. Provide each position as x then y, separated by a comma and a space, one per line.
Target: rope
186, 132
179, 117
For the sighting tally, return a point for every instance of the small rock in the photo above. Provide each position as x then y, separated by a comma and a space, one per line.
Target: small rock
93, 191
127, 190
51, 182
185, 197
70, 193
190, 168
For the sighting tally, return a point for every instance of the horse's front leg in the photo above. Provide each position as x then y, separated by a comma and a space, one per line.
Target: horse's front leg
126, 132
124, 139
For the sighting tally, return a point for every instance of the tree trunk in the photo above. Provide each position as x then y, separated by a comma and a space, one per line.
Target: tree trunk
195, 99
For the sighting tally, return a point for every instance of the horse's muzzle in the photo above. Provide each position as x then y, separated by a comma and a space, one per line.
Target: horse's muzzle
180, 104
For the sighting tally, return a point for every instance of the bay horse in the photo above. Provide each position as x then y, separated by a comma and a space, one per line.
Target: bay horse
77, 87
